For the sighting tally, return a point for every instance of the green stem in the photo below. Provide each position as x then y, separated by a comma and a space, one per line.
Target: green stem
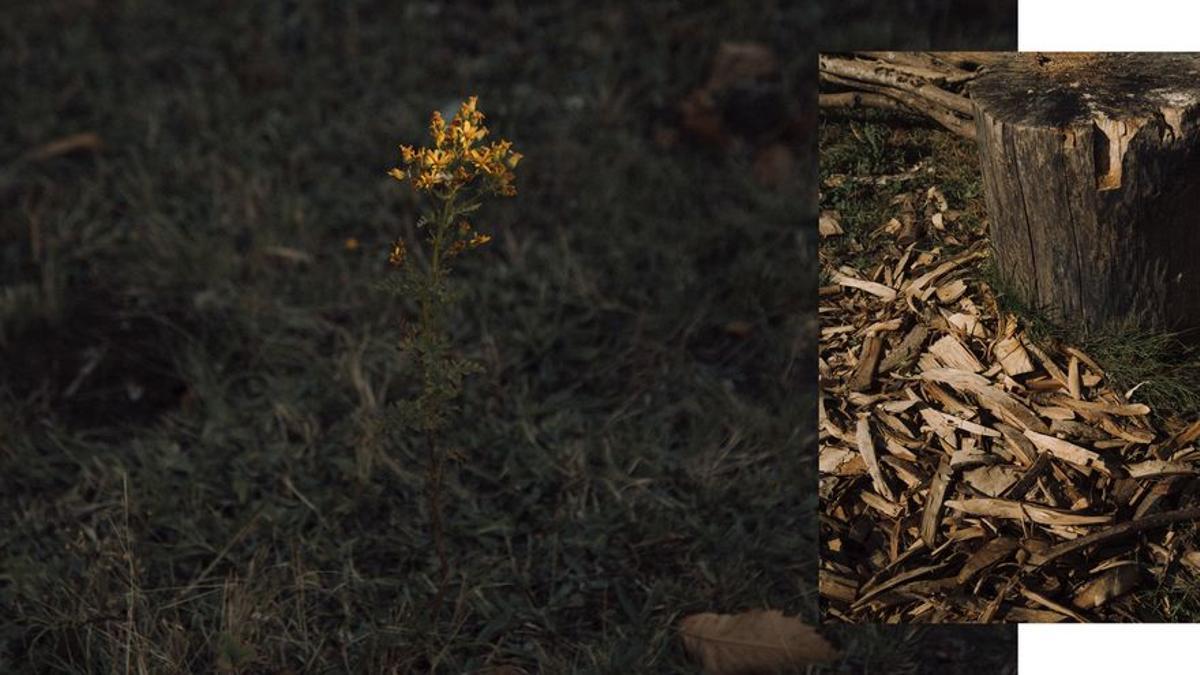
428, 329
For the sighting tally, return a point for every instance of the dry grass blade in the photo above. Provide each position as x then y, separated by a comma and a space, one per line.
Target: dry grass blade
85, 141
759, 641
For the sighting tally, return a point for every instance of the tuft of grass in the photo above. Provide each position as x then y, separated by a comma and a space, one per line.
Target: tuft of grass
1163, 365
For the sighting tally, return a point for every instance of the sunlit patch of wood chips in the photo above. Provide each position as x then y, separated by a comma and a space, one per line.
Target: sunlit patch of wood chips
969, 473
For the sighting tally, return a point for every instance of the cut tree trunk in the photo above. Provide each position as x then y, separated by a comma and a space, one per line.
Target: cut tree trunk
1091, 172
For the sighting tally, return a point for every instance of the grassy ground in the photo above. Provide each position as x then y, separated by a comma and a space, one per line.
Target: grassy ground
193, 364
193, 473
939, 25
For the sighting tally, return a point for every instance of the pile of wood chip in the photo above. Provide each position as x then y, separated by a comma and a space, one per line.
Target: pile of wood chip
969, 474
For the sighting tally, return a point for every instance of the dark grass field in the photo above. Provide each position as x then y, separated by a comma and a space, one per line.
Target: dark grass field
194, 364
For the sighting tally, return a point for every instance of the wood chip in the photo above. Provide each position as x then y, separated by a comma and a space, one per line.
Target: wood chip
1067, 451
932, 515
841, 461
1029, 479
866, 447
1052, 605
1115, 532
876, 289
1074, 383
1029, 615
993, 551
969, 324
1111, 583
1013, 357
828, 225
1047, 363
953, 354
1121, 410
1155, 468
1005, 508
1016, 441
907, 350
836, 586
896, 581
996, 400
952, 291
992, 481
863, 377
887, 508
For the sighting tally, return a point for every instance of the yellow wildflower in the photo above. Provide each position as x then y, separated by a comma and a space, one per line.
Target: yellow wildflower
437, 129
427, 180
479, 240
465, 133
398, 253
467, 109
438, 159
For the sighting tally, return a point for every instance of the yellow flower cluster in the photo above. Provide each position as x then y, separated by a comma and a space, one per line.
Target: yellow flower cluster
461, 245
455, 160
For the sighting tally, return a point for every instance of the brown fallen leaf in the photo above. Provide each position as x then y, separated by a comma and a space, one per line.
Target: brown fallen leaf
758, 641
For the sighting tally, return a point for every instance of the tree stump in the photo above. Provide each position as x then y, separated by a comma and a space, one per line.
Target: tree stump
1091, 172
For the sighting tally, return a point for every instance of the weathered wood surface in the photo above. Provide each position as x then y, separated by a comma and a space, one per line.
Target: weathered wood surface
1091, 171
